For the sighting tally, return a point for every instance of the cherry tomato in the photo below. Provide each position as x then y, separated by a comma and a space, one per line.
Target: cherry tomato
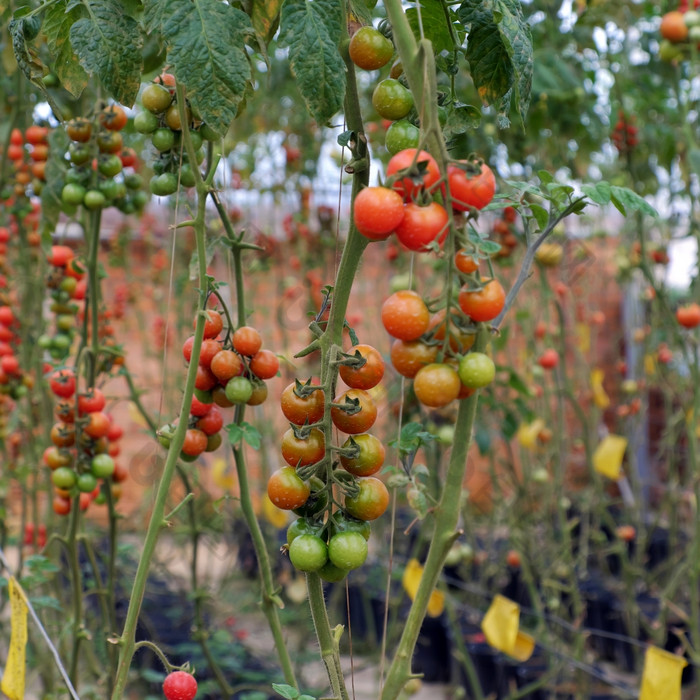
408, 357
286, 489
367, 376
62, 383
377, 211
392, 100
113, 118
102, 466
264, 364
401, 135
358, 422
298, 452
213, 325
98, 425
205, 379
259, 394
459, 341
79, 130
210, 348
308, 552
156, 98
689, 316
246, 341
475, 191
370, 49
371, 502
91, 401
300, 410
465, 262
179, 685
239, 390
422, 225
483, 304
425, 170
225, 365
476, 370
405, 315
302, 526
212, 422
200, 408
61, 505
195, 442
347, 550
371, 456
436, 385
549, 359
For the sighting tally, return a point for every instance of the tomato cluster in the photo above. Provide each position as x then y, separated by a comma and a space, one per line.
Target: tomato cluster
68, 284
332, 541
29, 163
84, 441
625, 133
161, 121
98, 158
231, 371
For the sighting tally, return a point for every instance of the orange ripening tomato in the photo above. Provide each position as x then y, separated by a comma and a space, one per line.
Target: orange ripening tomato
483, 304
688, 316
405, 315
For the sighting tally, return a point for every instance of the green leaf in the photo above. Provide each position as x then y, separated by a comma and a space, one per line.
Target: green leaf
461, 118
286, 691
210, 248
489, 248
265, 17
57, 23
235, 434
499, 51
108, 43
545, 177
206, 49
56, 168
435, 26
27, 59
632, 201
46, 601
517, 383
598, 193
311, 29
541, 215
510, 424
362, 10
251, 435
482, 438
345, 138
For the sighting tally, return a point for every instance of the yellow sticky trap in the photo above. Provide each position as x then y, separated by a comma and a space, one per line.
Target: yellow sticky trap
219, 476
649, 364
600, 397
661, 677
607, 458
528, 432
501, 628
15, 668
583, 337
273, 515
411, 580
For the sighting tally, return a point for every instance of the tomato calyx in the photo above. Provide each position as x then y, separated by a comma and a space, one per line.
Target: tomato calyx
416, 173
350, 406
305, 390
355, 360
350, 449
347, 482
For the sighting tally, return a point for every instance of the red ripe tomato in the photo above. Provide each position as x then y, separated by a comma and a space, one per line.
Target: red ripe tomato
549, 359
377, 212
91, 401
9, 364
370, 459
195, 442
246, 341
298, 452
483, 304
4, 234
423, 225
371, 501
264, 364
688, 316
465, 262
210, 348
6, 334
425, 171
7, 317
199, 408
179, 685
205, 379
213, 325
212, 422
36, 134
63, 435
354, 423
97, 425
405, 315
62, 383
471, 191
60, 255
128, 157
115, 431
225, 365
367, 376
301, 409
408, 357
436, 385
16, 138
286, 489
61, 505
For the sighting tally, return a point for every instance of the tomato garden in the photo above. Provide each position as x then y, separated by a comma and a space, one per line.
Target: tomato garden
349, 348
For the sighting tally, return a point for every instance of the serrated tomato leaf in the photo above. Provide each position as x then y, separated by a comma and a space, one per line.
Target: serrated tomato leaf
58, 21
108, 43
311, 29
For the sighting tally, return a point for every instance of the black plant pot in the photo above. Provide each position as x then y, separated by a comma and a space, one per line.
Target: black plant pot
433, 651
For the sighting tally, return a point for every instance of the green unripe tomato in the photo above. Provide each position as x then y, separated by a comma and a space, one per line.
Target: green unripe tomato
109, 166
73, 193
308, 552
87, 483
102, 466
239, 390
301, 526
317, 500
692, 19
79, 153
392, 100
140, 200
163, 139
133, 181
187, 178
197, 139
77, 176
163, 185
331, 573
347, 550
156, 98
476, 370
111, 190
401, 135
208, 134
94, 199
63, 478
145, 123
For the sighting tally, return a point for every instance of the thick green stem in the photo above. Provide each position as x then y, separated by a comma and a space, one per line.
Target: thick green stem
76, 582
156, 522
